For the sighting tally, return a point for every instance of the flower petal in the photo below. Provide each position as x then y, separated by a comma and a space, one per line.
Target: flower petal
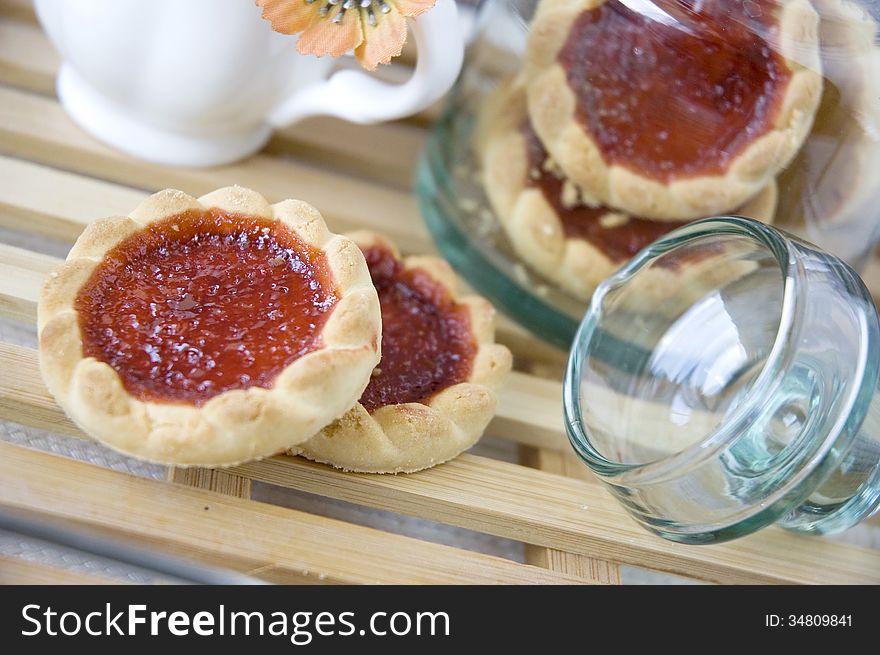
382, 41
325, 37
289, 16
413, 7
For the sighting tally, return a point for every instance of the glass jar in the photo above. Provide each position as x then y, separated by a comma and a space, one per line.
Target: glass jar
581, 130
727, 378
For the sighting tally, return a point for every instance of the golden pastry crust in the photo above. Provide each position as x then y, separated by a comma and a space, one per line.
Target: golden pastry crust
531, 223
237, 425
552, 108
408, 437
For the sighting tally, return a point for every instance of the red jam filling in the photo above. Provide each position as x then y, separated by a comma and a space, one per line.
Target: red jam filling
677, 100
205, 302
427, 345
618, 242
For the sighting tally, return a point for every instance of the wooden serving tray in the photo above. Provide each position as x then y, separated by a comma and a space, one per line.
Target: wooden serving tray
54, 179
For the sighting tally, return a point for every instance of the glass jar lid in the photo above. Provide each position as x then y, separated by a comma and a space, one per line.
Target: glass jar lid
726, 378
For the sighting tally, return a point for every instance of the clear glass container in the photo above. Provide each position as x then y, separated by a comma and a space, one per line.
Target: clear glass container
632, 104
727, 378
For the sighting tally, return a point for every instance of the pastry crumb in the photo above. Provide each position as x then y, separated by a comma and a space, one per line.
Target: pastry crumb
571, 195
613, 219
553, 168
468, 205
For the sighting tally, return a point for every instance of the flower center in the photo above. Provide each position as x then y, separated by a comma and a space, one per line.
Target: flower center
369, 8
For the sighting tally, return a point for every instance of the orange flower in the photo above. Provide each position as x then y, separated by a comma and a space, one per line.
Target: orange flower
374, 29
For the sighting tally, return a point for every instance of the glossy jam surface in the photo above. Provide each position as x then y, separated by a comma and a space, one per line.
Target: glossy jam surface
679, 100
427, 343
205, 302
619, 242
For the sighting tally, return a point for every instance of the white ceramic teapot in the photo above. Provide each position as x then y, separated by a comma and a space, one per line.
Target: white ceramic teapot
204, 82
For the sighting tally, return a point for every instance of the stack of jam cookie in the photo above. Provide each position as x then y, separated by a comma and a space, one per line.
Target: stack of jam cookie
627, 122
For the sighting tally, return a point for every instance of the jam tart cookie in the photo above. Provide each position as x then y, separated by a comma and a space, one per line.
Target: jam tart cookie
433, 393
567, 241
687, 110
211, 331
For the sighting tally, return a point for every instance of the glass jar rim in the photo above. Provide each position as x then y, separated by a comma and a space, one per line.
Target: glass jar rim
771, 372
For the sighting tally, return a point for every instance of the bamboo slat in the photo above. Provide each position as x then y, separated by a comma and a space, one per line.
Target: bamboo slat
23, 396
19, 286
27, 59
19, 9
217, 480
55, 203
213, 480
510, 501
342, 146
557, 512
14, 570
600, 570
243, 535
